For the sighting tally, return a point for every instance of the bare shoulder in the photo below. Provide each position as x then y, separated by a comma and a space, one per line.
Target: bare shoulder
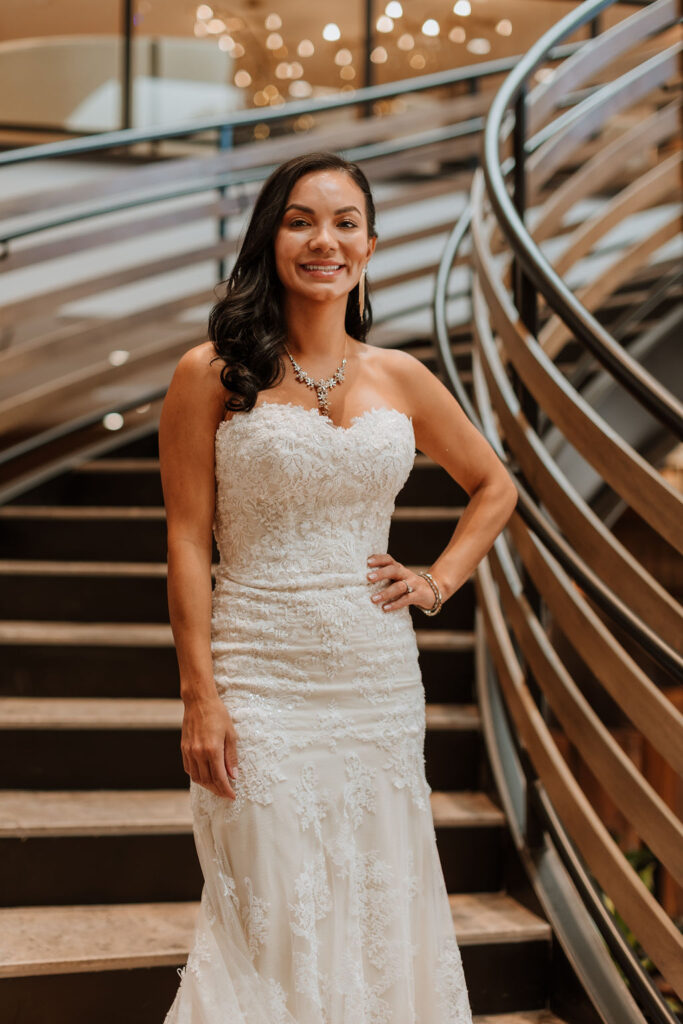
404, 374
200, 366
195, 401
197, 380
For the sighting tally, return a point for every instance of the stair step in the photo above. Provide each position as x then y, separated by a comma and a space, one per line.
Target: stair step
104, 513
34, 814
134, 743
110, 464
160, 713
137, 481
144, 634
63, 940
138, 533
523, 1017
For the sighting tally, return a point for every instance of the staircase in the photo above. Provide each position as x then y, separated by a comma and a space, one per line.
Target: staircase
100, 880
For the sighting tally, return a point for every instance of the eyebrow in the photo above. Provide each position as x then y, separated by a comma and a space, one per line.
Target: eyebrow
307, 209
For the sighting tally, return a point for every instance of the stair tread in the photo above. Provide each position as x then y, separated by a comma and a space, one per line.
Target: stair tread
49, 813
110, 464
59, 940
519, 1017
158, 713
421, 513
158, 634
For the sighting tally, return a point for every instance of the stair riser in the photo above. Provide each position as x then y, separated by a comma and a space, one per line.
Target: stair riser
144, 540
74, 671
427, 485
151, 759
501, 977
89, 598
159, 868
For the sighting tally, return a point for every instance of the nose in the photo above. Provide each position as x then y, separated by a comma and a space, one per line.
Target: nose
322, 238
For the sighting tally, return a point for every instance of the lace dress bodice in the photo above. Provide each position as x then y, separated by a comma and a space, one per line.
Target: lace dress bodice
299, 499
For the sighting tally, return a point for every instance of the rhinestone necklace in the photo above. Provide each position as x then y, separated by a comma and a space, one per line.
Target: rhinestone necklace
322, 386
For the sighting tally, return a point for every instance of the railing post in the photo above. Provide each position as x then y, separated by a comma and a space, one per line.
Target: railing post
368, 70
526, 301
222, 234
225, 136
127, 64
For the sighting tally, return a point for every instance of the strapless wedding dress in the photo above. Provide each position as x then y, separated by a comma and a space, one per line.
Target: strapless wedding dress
324, 900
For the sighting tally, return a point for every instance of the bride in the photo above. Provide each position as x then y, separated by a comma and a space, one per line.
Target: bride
288, 438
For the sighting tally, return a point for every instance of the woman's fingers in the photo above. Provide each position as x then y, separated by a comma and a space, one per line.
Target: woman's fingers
219, 776
209, 747
396, 595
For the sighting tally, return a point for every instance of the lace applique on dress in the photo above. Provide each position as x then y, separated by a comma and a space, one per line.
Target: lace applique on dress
323, 882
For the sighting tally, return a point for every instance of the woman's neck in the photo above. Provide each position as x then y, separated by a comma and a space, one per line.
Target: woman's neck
316, 330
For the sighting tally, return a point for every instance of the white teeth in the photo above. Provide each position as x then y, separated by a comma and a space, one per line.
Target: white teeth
328, 268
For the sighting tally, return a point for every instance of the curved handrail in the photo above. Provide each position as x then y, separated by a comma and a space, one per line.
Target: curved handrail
657, 399
586, 610
618, 612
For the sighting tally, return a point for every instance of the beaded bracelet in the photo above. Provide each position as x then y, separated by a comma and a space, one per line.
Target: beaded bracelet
436, 607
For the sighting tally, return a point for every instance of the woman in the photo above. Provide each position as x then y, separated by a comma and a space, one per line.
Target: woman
304, 720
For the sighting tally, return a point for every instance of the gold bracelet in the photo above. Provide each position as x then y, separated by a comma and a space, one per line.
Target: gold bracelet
436, 607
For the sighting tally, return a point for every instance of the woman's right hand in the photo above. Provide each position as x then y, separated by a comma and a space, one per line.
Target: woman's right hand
209, 745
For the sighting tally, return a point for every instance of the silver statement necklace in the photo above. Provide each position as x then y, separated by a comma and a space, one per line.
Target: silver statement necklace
321, 387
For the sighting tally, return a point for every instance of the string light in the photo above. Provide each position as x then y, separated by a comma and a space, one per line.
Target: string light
237, 50
200, 29
347, 73
261, 131
226, 43
242, 79
300, 90
112, 421
417, 61
504, 27
285, 70
204, 12
331, 32
457, 35
343, 57
379, 55
544, 74
463, 8
384, 24
305, 48
260, 98
393, 9
119, 356
273, 22
430, 27
271, 91
479, 46
274, 41
216, 26
406, 42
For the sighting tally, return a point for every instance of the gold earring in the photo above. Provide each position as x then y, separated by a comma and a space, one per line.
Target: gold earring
361, 294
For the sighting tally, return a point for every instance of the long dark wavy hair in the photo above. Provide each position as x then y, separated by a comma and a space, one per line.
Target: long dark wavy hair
247, 326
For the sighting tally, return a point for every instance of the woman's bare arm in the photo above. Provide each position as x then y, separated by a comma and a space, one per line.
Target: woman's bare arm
444, 433
192, 409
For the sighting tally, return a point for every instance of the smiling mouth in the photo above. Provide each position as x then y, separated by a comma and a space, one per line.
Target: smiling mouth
322, 268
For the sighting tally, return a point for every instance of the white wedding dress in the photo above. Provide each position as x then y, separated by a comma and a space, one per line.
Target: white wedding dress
324, 900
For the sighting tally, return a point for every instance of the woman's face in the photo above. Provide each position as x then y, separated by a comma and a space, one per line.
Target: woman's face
322, 243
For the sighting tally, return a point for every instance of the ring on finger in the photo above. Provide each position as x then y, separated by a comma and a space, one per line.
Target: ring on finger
409, 589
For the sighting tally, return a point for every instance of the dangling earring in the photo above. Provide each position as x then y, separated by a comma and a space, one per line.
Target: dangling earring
361, 294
